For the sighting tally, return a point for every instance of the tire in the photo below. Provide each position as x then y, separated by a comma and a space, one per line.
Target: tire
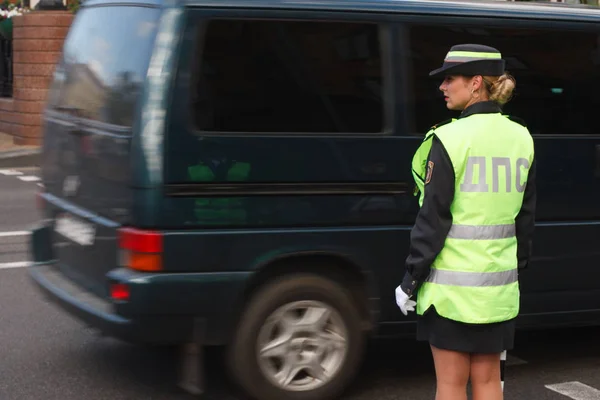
242, 354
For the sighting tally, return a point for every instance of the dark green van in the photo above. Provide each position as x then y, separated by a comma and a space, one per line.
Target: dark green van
238, 172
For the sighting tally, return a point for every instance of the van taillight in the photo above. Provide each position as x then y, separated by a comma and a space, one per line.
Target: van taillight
141, 250
119, 292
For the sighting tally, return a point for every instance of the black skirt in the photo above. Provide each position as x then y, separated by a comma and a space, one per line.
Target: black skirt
452, 335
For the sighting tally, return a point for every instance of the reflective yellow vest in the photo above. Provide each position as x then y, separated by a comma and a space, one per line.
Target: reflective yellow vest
474, 278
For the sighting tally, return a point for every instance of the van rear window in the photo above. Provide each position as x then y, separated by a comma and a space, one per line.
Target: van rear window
104, 63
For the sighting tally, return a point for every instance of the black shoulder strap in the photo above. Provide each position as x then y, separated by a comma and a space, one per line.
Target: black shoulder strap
445, 122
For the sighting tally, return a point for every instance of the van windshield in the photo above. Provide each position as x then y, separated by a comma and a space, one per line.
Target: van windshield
104, 63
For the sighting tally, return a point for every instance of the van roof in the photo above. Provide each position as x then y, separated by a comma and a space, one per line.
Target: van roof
483, 8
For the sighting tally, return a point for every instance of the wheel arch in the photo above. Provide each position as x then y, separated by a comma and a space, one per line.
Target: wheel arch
333, 265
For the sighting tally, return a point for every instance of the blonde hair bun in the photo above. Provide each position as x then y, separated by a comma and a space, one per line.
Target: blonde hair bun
500, 88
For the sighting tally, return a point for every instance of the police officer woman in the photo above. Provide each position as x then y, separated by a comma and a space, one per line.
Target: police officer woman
476, 175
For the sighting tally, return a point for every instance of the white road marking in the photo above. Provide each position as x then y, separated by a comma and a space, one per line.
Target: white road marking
15, 233
29, 178
512, 361
40, 184
10, 172
19, 264
575, 390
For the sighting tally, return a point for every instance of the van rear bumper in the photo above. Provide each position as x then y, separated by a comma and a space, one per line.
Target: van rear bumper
98, 313
164, 308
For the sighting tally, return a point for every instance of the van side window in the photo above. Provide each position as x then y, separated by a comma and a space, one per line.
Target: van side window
284, 76
557, 73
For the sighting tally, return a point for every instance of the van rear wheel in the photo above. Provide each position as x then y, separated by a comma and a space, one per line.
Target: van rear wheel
299, 338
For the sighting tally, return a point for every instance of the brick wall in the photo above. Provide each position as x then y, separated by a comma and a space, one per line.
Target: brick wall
37, 42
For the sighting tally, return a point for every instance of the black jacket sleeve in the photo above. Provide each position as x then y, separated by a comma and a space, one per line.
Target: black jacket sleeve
525, 221
434, 219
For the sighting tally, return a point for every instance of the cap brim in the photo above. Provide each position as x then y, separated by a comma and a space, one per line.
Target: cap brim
445, 70
479, 67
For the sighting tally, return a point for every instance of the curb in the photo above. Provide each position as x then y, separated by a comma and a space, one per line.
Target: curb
20, 158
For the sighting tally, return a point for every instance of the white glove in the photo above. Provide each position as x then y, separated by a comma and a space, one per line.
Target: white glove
404, 301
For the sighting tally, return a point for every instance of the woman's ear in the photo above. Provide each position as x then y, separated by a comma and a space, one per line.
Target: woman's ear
476, 83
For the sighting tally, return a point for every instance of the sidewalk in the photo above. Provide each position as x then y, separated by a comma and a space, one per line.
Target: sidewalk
14, 156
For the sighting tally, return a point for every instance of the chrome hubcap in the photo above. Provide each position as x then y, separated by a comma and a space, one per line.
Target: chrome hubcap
302, 345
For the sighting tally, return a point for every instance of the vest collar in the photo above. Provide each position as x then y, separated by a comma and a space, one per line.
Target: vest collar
482, 107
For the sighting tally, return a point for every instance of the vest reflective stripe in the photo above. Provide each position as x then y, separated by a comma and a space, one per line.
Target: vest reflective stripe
482, 232
473, 279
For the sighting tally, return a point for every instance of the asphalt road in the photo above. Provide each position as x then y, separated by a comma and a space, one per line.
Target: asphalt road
45, 354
